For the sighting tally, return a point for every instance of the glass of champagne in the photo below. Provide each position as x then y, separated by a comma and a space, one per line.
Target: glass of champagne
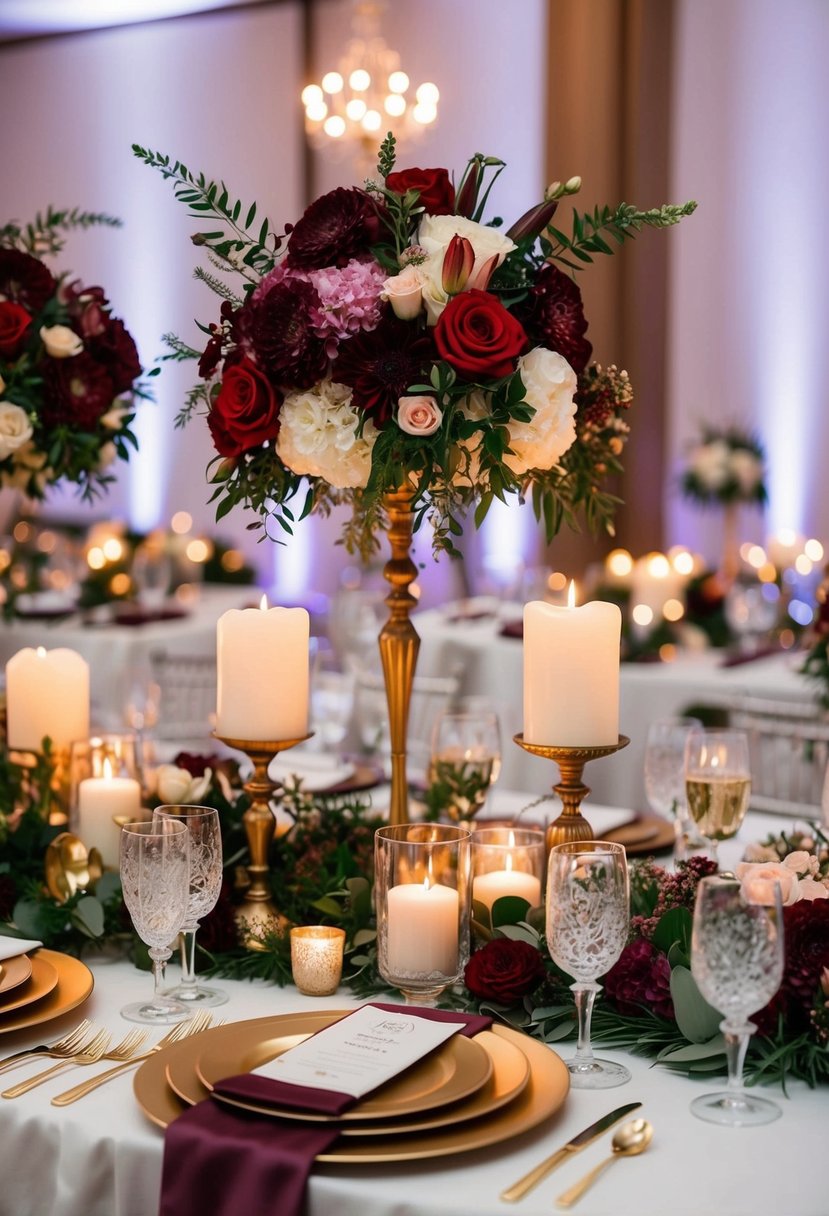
737, 962
202, 823
717, 783
155, 880
465, 762
665, 778
588, 910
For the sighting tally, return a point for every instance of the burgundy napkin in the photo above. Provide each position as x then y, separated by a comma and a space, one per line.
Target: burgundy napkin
512, 629
223, 1160
737, 660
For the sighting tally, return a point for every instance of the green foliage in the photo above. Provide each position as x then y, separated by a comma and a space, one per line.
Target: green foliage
620, 224
43, 235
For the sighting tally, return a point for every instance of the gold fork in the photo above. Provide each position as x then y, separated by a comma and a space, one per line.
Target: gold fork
91, 1054
183, 1030
70, 1044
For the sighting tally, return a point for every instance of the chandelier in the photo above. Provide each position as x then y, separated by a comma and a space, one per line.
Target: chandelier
368, 93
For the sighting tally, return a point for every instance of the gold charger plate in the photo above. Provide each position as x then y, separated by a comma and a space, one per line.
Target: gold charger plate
72, 986
545, 1091
454, 1071
647, 834
44, 979
510, 1073
14, 972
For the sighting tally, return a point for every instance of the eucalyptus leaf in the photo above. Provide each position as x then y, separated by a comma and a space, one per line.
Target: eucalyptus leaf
88, 916
31, 919
697, 1020
693, 1052
519, 933
108, 884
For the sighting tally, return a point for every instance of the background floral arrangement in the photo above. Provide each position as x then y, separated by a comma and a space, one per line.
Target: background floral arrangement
725, 466
68, 367
398, 337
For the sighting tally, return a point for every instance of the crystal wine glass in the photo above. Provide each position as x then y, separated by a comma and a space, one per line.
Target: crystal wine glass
737, 962
465, 761
665, 778
587, 927
155, 869
202, 823
717, 783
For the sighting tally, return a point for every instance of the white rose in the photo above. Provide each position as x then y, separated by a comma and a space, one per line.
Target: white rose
550, 385
318, 436
709, 463
175, 786
405, 293
757, 880
15, 428
466, 455
60, 341
113, 419
746, 470
434, 235
419, 415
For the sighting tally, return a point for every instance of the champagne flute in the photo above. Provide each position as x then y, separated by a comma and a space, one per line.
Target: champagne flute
665, 778
737, 962
155, 869
465, 761
205, 883
588, 909
717, 783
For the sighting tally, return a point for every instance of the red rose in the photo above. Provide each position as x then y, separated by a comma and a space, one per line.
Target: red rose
478, 337
14, 323
437, 194
504, 970
245, 412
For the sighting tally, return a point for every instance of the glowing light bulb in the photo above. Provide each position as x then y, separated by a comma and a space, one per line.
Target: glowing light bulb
813, 550
619, 562
311, 94
316, 111
424, 114
355, 109
372, 120
428, 94
332, 82
359, 80
398, 82
334, 126
395, 105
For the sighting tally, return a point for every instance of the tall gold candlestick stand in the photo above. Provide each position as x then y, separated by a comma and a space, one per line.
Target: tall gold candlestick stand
399, 644
258, 912
571, 824
55, 801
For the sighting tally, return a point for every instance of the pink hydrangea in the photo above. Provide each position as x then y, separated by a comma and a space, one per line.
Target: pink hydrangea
350, 301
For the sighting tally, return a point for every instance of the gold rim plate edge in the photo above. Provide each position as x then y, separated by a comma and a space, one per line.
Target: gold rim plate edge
544, 1093
74, 984
44, 979
453, 1072
14, 972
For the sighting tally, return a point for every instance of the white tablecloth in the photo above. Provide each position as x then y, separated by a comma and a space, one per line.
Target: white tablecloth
491, 666
101, 1157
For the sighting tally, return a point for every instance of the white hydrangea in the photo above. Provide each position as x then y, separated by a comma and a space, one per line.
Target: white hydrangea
709, 463
550, 384
318, 436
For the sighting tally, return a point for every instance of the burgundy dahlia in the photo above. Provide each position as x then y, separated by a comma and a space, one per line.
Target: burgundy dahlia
77, 392
117, 351
25, 280
380, 365
276, 333
641, 976
553, 316
88, 308
336, 227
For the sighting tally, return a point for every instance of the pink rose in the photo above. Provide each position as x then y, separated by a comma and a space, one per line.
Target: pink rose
758, 878
810, 888
405, 293
418, 415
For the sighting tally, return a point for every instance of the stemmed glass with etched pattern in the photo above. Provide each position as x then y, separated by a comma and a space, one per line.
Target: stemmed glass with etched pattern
155, 876
202, 823
587, 926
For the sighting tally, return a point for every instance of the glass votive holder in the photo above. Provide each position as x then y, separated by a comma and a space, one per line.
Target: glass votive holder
422, 895
508, 861
105, 792
317, 958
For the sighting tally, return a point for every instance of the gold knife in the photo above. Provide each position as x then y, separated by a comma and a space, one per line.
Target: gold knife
519, 1189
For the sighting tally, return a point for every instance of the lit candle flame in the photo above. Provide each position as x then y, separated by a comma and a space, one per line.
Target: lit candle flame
263, 603
41, 652
571, 594
107, 768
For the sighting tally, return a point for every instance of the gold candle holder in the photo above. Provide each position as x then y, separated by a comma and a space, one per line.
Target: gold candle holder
571, 824
317, 958
258, 912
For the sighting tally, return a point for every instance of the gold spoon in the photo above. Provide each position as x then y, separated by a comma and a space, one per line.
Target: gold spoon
631, 1139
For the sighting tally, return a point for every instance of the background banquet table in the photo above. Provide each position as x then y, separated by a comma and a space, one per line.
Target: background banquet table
102, 1157
491, 665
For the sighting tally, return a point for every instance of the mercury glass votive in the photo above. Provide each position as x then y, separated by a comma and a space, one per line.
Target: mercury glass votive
508, 861
317, 958
422, 892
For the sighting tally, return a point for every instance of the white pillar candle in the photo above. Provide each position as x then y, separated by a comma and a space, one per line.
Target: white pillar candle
571, 674
422, 929
495, 884
262, 656
100, 799
47, 694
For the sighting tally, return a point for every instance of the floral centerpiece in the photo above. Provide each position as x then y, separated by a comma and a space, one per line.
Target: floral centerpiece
725, 466
395, 336
68, 367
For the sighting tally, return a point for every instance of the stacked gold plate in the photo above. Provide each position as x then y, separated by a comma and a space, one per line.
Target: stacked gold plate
468, 1094
38, 987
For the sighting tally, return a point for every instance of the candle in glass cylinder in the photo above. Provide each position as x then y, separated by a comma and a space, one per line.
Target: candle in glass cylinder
47, 694
262, 660
422, 922
495, 884
100, 799
571, 674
